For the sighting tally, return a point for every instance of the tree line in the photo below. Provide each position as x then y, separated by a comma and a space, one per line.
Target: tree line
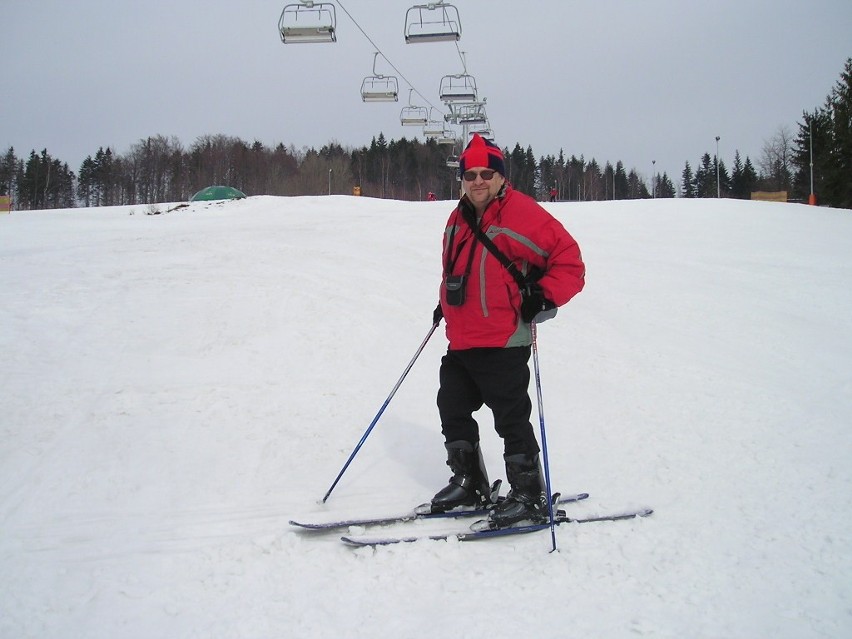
816, 160
160, 169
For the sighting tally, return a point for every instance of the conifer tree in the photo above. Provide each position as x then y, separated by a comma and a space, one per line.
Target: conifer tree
813, 142
830, 128
687, 181
724, 180
548, 176
85, 181
749, 177
609, 181
839, 170
663, 186
736, 177
44, 182
8, 164
533, 182
621, 185
743, 178
705, 177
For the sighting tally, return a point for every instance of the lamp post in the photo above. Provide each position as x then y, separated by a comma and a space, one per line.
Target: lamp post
329, 181
812, 196
718, 189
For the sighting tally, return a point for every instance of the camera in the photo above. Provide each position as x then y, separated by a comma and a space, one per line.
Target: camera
455, 286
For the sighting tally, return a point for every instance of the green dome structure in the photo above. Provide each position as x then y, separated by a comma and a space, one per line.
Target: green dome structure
217, 193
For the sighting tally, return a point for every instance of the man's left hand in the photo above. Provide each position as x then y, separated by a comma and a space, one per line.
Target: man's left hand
534, 302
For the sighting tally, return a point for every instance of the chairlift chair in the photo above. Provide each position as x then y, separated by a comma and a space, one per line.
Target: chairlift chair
308, 22
447, 137
433, 129
432, 22
484, 130
413, 115
458, 88
453, 161
472, 114
378, 87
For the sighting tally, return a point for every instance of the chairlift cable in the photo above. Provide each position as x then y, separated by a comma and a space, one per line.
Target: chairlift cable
461, 57
381, 53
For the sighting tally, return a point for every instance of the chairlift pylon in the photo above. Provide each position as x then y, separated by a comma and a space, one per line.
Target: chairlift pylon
378, 87
308, 21
432, 22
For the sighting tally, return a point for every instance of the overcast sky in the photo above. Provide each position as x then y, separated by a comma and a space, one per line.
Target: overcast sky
628, 80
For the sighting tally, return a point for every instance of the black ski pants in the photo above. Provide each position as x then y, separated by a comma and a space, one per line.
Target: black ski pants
496, 377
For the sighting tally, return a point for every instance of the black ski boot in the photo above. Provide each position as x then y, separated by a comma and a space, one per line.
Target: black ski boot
527, 500
469, 484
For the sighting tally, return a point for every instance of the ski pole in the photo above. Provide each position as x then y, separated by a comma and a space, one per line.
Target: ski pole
381, 410
543, 435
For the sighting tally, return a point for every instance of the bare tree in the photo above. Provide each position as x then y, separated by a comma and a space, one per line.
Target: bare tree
775, 163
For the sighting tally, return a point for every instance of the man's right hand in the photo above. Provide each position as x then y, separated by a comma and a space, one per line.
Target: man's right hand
437, 314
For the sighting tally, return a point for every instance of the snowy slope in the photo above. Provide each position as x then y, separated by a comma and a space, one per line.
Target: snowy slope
174, 388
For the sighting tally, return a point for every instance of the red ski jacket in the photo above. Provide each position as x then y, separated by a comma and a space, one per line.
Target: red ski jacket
529, 236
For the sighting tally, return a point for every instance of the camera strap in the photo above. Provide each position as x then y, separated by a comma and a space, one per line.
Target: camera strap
508, 264
451, 262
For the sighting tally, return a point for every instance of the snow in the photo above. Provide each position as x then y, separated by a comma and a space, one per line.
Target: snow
175, 387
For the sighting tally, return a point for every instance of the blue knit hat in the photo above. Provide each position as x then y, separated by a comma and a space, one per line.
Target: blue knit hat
481, 152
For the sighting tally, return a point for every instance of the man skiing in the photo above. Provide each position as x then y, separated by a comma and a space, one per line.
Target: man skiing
488, 305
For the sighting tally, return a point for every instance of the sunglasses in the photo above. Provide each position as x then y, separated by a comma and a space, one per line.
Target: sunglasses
470, 176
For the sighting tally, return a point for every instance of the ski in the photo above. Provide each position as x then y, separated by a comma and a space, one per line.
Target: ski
414, 515
488, 533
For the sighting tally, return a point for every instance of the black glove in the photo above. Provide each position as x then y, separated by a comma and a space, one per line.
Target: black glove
534, 302
437, 314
